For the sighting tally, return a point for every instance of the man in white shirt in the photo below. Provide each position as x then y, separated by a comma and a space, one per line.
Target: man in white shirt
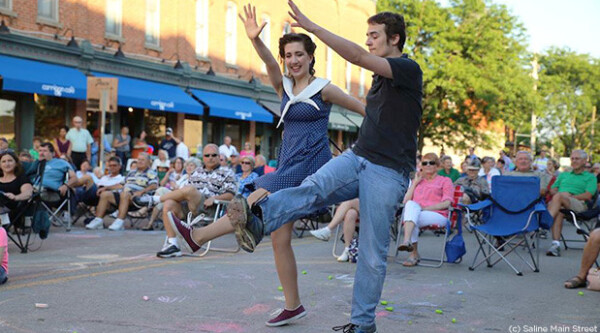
182, 150
81, 142
541, 162
227, 148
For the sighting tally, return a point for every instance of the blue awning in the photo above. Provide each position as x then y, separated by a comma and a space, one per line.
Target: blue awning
233, 107
153, 95
42, 78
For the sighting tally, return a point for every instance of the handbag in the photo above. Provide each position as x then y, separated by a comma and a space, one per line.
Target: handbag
455, 248
593, 279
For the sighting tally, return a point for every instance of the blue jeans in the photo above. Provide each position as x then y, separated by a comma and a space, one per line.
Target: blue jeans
3, 276
380, 190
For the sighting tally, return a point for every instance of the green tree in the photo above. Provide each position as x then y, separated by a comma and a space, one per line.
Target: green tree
570, 87
475, 68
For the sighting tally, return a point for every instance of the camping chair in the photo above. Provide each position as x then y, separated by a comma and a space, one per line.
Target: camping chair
204, 220
23, 219
438, 229
311, 222
54, 204
515, 210
584, 222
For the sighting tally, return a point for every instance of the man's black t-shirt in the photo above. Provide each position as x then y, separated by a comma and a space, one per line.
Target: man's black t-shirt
388, 135
170, 146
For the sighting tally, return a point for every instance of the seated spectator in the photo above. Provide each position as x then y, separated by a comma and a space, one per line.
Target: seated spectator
590, 253
34, 152
463, 168
133, 165
234, 164
3, 256
500, 166
162, 164
15, 187
205, 185
596, 169
524, 168
190, 166
139, 183
426, 203
89, 191
246, 178
248, 151
507, 165
55, 172
541, 161
552, 172
172, 176
488, 170
261, 167
447, 169
347, 212
571, 191
85, 169
25, 157
474, 187
223, 161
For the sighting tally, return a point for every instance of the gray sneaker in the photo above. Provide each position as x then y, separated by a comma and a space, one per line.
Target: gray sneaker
553, 251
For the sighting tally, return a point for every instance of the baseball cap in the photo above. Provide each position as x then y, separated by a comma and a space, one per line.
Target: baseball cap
475, 164
169, 130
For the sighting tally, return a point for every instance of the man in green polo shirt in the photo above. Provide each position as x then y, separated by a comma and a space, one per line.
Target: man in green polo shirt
447, 170
571, 190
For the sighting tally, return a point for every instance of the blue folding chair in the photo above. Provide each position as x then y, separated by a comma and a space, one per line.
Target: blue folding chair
515, 212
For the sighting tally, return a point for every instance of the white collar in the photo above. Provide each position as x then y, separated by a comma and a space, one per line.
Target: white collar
304, 97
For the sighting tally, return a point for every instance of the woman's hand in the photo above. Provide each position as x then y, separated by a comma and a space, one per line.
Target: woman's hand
10, 196
252, 28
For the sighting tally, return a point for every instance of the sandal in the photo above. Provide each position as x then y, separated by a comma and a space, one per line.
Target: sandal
411, 261
408, 247
575, 282
148, 228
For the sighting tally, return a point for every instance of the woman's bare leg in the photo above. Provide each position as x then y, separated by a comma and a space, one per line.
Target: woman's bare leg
285, 263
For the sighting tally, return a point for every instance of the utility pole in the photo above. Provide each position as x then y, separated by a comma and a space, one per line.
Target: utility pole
592, 134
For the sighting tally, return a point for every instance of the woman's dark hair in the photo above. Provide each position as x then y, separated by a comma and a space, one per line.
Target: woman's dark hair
182, 162
309, 46
66, 128
84, 161
394, 25
18, 167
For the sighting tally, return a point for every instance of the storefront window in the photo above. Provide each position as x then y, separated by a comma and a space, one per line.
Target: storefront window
49, 116
7, 121
233, 131
155, 127
192, 134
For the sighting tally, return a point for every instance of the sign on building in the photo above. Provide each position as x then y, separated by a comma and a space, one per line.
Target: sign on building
95, 86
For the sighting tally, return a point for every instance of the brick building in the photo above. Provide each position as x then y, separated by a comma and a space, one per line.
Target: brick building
185, 64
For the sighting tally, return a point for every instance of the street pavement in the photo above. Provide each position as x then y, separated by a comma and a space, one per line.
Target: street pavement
97, 281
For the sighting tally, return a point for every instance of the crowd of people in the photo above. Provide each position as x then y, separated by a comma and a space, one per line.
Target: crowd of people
171, 185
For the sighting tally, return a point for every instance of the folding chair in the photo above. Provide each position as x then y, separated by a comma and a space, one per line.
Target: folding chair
311, 222
515, 210
22, 220
584, 222
438, 229
203, 220
54, 204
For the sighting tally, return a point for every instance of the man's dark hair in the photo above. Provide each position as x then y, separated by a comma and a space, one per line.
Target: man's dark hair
115, 159
394, 25
49, 146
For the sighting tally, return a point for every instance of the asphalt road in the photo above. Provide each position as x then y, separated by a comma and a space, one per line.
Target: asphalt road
95, 281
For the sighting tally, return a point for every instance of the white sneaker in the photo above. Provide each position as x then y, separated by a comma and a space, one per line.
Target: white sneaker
117, 225
115, 214
322, 234
345, 255
95, 224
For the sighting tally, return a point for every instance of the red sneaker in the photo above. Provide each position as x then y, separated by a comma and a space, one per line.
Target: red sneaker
287, 316
183, 232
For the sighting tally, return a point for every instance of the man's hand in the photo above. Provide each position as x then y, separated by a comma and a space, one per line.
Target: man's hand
252, 28
137, 194
63, 190
209, 202
301, 20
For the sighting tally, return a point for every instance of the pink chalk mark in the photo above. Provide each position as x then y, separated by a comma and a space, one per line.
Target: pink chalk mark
381, 314
258, 308
221, 327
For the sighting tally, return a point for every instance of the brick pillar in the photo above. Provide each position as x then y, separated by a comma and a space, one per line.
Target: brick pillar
80, 110
179, 125
252, 138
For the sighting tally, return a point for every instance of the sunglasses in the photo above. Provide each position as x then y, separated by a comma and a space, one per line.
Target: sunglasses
211, 155
113, 165
249, 163
426, 163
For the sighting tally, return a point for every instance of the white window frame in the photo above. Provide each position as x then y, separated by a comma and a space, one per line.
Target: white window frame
202, 28
361, 87
329, 64
54, 4
118, 18
152, 24
231, 33
265, 37
7, 7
